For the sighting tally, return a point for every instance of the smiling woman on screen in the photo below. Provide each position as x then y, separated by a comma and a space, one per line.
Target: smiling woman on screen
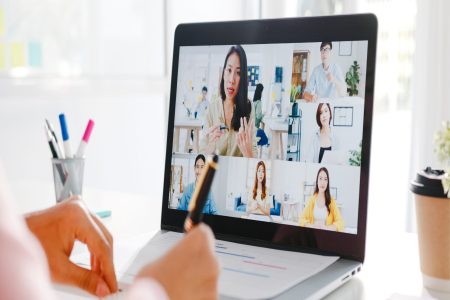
321, 211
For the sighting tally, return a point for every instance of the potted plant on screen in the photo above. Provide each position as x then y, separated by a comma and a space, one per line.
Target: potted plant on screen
442, 148
355, 156
352, 79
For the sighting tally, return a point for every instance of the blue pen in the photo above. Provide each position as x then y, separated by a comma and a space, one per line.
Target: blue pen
65, 136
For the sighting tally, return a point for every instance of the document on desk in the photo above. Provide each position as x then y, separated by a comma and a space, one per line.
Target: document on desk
248, 272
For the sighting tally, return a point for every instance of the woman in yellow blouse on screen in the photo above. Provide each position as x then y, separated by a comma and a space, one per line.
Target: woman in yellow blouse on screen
321, 211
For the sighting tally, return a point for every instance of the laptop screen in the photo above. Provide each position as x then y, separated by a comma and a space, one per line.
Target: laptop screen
287, 122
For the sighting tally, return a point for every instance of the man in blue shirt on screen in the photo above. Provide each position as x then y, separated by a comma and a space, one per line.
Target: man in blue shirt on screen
210, 206
326, 80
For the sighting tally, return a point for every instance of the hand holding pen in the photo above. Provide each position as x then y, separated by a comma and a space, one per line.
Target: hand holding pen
200, 196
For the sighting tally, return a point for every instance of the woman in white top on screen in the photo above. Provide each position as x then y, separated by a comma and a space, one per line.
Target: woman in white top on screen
259, 201
322, 139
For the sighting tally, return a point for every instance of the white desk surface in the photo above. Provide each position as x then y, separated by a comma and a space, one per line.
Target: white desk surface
391, 265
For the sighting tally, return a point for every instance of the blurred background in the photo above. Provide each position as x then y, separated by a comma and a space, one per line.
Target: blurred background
111, 61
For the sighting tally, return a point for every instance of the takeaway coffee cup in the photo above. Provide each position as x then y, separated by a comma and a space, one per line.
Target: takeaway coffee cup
433, 227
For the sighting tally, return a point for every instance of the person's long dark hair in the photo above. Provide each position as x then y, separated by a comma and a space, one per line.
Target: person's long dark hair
258, 92
327, 191
242, 107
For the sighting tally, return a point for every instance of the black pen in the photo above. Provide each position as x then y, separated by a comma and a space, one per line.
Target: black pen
200, 196
53, 149
59, 149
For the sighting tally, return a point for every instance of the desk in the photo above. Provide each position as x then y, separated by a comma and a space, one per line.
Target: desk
391, 266
277, 127
188, 124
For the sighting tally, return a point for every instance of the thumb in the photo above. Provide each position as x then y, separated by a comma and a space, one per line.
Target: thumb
87, 280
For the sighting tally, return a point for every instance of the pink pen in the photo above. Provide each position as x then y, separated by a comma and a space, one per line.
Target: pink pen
87, 133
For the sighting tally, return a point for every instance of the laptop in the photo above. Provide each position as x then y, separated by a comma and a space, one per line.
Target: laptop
268, 204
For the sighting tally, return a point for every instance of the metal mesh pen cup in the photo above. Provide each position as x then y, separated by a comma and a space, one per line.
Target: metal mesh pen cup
67, 177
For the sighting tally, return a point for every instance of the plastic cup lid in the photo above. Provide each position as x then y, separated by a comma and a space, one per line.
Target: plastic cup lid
428, 182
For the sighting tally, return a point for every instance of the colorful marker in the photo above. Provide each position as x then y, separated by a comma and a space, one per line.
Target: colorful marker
83, 144
65, 136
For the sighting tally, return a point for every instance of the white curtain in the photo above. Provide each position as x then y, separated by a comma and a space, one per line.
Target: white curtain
430, 83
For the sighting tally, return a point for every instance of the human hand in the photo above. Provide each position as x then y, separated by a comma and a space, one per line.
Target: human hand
245, 137
57, 228
190, 270
253, 205
213, 134
310, 97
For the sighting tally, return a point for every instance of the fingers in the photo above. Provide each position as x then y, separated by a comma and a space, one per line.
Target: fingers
87, 280
100, 248
213, 128
244, 137
214, 136
207, 234
249, 129
103, 229
214, 133
244, 123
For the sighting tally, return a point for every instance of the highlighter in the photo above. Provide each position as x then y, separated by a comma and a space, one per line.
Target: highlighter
200, 196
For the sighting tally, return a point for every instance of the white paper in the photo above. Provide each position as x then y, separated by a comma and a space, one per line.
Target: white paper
248, 272
245, 269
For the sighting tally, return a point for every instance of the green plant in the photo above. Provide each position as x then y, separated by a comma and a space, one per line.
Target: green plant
295, 92
355, 156
352, 79
442, 148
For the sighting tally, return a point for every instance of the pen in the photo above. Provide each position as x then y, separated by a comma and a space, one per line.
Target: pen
52, 131
51, 143
65, 135
84, 141
201, 191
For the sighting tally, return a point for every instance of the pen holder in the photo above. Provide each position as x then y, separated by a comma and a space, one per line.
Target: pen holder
68, 177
